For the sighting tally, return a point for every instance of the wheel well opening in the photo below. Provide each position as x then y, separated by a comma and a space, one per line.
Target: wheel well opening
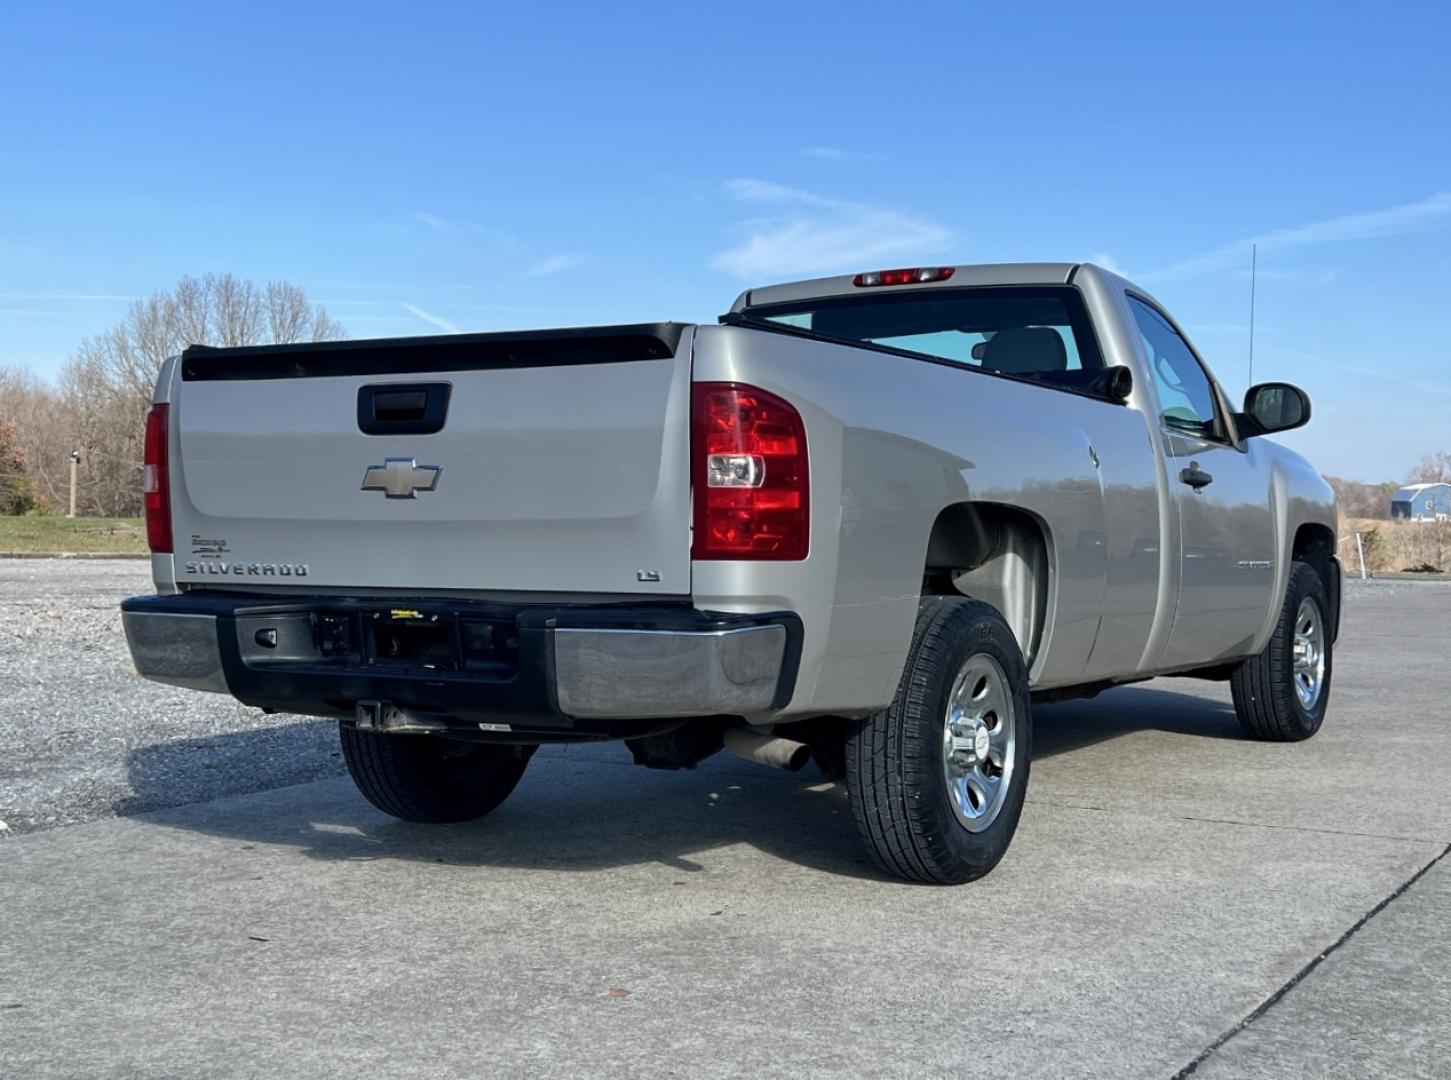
997, 554
1314, 544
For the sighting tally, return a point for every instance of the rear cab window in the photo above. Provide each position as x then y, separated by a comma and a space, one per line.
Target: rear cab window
1040, 333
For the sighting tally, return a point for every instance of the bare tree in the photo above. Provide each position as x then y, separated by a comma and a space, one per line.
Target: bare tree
42, 425
191, 310
291, 318
15, 497
237, 311
1361, 500
288, 313
1433, 469
325, 327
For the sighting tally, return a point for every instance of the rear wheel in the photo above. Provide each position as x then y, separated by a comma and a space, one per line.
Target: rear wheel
428, 778
1280, 695
937, 780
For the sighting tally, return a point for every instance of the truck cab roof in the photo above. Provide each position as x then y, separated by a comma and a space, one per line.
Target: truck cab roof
1054, 273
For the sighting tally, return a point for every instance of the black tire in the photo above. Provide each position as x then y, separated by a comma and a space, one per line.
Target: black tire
431, 779
1264, 686
895, 765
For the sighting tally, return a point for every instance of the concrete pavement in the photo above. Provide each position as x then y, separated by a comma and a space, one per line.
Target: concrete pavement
1165, 906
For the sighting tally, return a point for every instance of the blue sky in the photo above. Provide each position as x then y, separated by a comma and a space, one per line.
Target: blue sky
425, 167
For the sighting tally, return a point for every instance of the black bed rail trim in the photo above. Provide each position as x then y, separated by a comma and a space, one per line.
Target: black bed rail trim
439, 352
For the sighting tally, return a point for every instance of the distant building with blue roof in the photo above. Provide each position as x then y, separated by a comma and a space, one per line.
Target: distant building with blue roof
1422, 502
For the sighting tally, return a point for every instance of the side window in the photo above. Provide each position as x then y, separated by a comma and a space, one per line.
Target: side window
1185, 393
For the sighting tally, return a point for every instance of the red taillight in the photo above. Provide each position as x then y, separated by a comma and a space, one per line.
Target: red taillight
748, 468
916, 275
155, 486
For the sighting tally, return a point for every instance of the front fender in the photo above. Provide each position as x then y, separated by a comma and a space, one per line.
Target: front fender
1299, 497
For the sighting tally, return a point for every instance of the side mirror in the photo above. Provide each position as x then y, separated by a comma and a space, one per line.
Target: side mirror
1272, 407
1114, 383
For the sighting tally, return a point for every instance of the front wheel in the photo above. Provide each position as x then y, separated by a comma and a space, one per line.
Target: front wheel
937, 780
428, 778
1280, 694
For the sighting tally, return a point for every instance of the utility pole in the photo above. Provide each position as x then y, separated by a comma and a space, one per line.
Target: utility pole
75, 465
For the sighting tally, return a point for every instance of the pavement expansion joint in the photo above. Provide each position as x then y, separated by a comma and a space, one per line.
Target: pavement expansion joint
1244, 824
1299, 976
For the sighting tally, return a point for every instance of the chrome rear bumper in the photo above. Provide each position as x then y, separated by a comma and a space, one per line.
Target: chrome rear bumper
563, 666
653, 673
176, 648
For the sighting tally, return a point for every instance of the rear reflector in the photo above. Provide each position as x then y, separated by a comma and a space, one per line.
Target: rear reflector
749, 470
155, 484
916, 275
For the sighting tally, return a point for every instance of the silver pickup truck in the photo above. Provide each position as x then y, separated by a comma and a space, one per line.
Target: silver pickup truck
865, 520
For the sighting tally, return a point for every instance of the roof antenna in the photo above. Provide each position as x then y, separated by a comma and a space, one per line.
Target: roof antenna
1253, 266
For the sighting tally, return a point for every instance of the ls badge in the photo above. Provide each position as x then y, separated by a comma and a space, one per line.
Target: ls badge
400, 477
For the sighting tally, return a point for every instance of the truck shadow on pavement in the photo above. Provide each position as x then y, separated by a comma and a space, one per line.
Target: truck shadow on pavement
584, 808
1073, 725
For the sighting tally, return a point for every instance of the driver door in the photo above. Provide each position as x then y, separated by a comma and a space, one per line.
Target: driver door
1221, 490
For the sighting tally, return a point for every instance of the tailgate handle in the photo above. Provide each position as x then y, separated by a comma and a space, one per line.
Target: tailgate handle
402, 408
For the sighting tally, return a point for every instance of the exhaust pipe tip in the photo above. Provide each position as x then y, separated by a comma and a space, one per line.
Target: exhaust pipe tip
785, 754
798, 756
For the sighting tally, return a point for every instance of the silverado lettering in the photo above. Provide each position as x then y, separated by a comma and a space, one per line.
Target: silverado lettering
237, 569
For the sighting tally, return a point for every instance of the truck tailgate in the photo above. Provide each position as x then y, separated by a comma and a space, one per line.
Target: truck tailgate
562, 463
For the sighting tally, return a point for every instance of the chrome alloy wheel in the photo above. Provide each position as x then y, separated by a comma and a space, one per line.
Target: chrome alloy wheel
1309, 654
979, 742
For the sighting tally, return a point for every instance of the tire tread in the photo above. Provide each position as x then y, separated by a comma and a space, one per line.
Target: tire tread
393, 773
891, 761
1263, 686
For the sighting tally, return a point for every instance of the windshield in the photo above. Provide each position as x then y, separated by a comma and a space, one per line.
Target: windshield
1013, 331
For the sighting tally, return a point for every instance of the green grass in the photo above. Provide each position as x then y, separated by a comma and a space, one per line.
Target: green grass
82, 535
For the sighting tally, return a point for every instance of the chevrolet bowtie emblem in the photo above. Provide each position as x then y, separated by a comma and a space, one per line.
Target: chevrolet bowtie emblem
400, 477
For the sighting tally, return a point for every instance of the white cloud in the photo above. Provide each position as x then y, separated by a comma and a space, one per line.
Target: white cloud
814, 235
1379, 375
745, 189
432, 319
834, 153
431, 220
555, 264
1423, 215
1108, 262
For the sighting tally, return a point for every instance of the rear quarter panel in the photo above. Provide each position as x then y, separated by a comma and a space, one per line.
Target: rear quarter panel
892, 442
